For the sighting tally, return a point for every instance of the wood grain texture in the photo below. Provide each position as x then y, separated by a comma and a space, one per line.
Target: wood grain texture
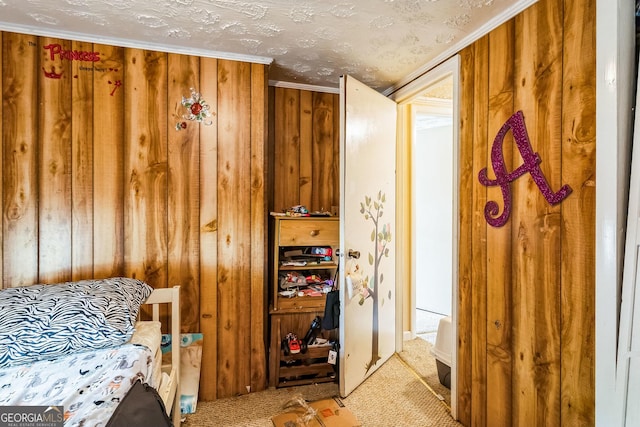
552, 248
108, 163
547, 311
82, 164
335, 172
307, 143
146, 166
287, 149
209, 233
499, 282
54, 150
96, 163
20, 153
578, 215
323, 161
537, 244
479, 239
183, 180
306, 149
234, 223
259, 310
467, 217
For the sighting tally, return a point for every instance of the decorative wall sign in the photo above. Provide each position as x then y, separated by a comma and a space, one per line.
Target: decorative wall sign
196, 110
89, 59
56, 50
503, 178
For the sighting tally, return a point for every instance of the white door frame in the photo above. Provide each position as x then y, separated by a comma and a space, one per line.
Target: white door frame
403, 97
615, 44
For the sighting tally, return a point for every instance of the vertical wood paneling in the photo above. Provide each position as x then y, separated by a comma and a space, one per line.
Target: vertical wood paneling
183, 189
578, 215
82, 164
499, 238
125, 193
146, 166
234, 220
108, 163
259, 225
209, 233
548, 308
287, 149
307, 144
306, 149
54, 149
324, 162
19, 142
479, 240
271, 145
335, 171
467, 217
537, 261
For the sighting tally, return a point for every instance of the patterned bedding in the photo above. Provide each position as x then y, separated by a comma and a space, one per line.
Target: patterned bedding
67, 344
88, 384
41, 322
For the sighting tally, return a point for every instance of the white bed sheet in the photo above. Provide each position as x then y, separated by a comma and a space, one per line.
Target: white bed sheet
89, 385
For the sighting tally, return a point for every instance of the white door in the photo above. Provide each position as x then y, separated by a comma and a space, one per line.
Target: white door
367, 224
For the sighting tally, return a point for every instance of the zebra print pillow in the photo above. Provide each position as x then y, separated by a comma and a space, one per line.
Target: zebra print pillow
46, 321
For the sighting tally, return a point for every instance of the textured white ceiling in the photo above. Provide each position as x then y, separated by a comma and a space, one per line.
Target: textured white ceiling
383, 43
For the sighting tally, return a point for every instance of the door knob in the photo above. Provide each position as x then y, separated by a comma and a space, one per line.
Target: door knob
353, 254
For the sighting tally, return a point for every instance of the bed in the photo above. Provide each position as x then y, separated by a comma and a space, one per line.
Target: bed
81, 349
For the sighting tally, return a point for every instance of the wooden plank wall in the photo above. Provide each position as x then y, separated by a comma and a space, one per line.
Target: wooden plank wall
98, 182
527, 289
306, 151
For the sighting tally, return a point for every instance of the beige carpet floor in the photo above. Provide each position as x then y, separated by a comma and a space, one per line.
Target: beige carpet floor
417, 354
395, 395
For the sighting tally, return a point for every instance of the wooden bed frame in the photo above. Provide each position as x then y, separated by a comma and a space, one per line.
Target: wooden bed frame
172, 393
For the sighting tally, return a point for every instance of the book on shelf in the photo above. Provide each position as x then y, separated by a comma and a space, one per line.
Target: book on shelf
292, 253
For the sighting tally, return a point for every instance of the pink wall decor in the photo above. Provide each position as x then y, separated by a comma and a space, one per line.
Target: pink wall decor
504, 178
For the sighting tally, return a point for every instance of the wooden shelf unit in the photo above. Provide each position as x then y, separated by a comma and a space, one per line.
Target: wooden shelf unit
301, 368
295, 314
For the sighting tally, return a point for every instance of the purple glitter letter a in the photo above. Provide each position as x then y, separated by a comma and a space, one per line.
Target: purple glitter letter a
504, 178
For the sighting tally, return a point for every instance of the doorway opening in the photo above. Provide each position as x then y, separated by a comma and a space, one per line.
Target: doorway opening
428, 155
432, 210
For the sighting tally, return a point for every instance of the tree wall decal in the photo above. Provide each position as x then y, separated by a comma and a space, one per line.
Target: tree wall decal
381, 237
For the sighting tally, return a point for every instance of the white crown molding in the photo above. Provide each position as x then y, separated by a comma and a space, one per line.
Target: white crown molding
490, 25
301, 86
115, 41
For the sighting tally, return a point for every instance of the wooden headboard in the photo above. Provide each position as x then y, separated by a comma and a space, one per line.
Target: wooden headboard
170, 296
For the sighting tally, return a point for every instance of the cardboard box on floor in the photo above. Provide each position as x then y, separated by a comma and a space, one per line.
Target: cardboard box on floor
329, 413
